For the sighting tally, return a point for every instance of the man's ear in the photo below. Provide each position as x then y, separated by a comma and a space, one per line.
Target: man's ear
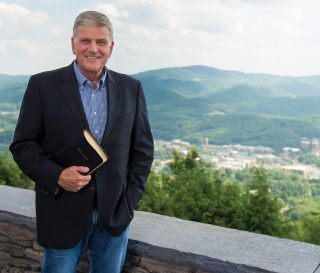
111, 49
73, 46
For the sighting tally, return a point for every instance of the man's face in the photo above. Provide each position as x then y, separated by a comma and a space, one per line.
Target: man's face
92, 47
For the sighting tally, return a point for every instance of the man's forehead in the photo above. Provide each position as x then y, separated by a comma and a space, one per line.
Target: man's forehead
92, 32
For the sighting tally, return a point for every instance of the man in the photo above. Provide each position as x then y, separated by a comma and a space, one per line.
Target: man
94, 211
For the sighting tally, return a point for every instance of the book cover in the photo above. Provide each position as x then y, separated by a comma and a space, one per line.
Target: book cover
85, 152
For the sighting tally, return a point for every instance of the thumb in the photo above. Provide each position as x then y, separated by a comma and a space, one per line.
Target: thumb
82, 169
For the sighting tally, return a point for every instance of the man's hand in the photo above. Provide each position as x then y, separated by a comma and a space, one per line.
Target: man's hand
72, 178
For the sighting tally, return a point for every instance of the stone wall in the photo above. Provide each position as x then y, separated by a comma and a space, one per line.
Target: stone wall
19, 251
159, 244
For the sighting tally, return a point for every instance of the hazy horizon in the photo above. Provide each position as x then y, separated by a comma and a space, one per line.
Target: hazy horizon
172, 67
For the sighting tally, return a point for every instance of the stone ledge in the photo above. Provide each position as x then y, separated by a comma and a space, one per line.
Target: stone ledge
166, 244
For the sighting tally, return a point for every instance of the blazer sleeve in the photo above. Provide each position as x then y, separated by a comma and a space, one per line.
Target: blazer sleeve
27, 149
141, 151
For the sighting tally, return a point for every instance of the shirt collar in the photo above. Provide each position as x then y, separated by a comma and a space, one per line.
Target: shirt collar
82, 79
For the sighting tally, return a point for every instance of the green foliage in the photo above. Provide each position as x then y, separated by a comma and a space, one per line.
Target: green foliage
311, 226
307, 158
198, 193
257, 200
191, 176
263, 209
155, 198
11, 175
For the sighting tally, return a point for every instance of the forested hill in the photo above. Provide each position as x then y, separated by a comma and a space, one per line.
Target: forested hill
194, 102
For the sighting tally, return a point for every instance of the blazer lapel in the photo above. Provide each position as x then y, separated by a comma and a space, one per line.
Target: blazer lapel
113, 95
70, 91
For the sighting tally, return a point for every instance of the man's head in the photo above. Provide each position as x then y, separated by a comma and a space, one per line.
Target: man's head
92, 43
93, 18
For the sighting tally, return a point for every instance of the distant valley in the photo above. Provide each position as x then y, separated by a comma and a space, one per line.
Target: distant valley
228, 107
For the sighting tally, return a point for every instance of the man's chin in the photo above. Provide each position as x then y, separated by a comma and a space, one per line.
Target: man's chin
93, 70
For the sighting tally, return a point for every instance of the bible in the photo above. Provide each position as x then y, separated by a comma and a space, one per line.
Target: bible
85, 152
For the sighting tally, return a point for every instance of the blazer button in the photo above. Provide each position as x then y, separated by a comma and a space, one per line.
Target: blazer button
44, 191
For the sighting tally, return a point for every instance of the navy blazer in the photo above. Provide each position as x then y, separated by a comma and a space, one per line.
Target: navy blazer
51, 117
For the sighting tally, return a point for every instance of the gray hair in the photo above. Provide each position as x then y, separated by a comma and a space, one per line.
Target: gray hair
93, 18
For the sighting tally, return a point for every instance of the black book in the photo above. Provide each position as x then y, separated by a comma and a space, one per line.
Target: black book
85, 152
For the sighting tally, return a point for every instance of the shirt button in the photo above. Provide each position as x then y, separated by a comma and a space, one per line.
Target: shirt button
94, 113
96, 131
93, 95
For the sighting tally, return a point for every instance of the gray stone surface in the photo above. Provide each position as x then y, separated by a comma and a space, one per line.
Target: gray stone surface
233, 246
206, 247
17, 201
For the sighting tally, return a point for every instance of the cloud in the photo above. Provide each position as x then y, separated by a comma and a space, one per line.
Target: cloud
244, 35
23, 46
59, 31
16, 20
34, 41
33, 56
110, 9
52, 1
248, 35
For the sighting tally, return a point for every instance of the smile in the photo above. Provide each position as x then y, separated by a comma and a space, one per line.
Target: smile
92, 57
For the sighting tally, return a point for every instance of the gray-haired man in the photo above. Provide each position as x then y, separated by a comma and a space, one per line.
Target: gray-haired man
78, 212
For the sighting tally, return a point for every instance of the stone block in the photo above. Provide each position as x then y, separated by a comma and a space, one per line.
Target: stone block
4, 256
21, 243
135, 270
3, 239
11, 249
36, 246
16, 270
33, 254
156, 266
132, 260
16, 232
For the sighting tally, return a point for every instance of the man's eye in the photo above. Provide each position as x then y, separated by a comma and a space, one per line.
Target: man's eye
85, 41
102, 43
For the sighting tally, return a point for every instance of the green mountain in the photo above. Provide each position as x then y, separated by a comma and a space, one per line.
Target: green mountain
195, 102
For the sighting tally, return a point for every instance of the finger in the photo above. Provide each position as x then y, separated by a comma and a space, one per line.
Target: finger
81, 169
83, 178
72, 180
81, 184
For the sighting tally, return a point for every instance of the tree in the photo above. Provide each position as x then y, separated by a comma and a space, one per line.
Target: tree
263, 209
194, 191
11, 175
155, 198
191, 188
311, 224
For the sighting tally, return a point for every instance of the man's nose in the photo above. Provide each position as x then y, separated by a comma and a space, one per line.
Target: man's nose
93, 47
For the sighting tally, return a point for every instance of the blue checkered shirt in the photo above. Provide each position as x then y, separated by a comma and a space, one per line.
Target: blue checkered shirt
94, 102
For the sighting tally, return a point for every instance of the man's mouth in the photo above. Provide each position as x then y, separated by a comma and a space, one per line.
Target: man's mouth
92, 57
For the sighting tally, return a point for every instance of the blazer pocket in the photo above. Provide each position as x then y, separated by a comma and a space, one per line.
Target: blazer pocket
128, 203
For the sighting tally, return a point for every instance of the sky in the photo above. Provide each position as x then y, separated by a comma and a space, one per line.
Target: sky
278, 37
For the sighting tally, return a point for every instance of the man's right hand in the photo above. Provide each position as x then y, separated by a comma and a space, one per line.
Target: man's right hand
73, 178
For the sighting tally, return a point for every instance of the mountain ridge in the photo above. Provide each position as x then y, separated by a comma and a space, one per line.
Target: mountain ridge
183, 102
